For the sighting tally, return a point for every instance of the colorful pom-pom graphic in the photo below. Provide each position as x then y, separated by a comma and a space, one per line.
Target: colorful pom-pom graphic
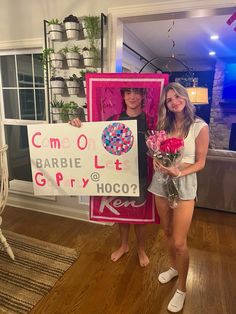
117, 138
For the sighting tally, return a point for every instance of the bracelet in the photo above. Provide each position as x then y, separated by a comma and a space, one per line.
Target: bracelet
179, 174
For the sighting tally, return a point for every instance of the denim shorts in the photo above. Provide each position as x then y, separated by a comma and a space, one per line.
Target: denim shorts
186, 186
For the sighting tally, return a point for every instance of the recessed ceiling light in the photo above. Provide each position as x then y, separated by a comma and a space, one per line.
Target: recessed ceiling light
214, 37
212, 53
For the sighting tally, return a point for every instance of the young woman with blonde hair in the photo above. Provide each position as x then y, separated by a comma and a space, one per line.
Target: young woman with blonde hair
177, 118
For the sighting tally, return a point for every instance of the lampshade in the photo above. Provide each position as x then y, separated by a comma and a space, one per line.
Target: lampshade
198, 95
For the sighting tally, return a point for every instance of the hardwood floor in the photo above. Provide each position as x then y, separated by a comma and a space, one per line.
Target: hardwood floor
95, 285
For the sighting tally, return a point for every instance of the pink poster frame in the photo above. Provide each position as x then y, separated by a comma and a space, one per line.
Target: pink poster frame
103, 101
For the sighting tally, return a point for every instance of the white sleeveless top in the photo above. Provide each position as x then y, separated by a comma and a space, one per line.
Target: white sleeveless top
189, 141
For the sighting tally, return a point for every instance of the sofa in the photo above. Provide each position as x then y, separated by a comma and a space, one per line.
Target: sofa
217, 181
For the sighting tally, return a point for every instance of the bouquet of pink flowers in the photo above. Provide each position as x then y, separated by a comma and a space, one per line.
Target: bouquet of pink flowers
168, 151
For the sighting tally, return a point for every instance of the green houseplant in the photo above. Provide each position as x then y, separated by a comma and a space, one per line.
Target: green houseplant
92, 28
68, 111
73, 84
52, 58
55, 110
83, 76
72, 56
46, 56
57, 59
90, 56
55, 29
57, 85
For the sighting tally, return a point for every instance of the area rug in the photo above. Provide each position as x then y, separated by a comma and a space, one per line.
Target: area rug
37, 267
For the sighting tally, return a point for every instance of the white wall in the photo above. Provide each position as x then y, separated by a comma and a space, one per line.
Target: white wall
23, 19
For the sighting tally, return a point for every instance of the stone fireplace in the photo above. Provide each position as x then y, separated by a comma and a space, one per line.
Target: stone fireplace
223, 114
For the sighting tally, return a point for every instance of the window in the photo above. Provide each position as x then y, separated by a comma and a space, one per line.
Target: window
23, 103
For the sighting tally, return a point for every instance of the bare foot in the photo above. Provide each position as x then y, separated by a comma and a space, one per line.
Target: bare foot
143, 259
119, 253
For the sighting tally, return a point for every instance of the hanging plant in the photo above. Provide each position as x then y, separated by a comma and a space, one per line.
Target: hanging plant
68, 111
73, 84
46, 56
71, 24
92, 28
90, 56
83, 75
57, 59
57, 84
72, 56
55, 110
55, 30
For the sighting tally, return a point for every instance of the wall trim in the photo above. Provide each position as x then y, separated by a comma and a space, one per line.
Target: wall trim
166, 6
51, 208
47, 207
26, 188
26, 43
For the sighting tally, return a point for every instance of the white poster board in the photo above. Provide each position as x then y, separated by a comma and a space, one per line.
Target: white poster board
100, 158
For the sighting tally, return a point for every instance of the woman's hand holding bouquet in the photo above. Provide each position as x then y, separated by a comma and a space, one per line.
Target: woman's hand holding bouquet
166, 153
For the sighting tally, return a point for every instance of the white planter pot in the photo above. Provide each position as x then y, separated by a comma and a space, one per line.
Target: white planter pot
57, 60
73, 87
73, 59
89, 60
72, 30
56, 115
84, 30
55, 32
58, 87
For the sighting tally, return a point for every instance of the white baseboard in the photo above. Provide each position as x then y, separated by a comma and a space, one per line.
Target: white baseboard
51, 208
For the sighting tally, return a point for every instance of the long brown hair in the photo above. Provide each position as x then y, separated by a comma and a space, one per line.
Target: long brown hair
166, 118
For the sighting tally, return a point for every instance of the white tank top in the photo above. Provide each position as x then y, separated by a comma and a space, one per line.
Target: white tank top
189, 141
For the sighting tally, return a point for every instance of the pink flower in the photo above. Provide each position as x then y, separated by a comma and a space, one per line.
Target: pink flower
154, 140
172, 145
168, 151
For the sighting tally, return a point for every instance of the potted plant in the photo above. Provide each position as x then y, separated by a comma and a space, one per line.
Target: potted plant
83, 76
54, 59
71, 24
73, 85
57, 84
55, 30
90, 56
92, 28
65, 112
73, 109
55, 110
72, 56
68, 111
46, 59
80, 113
57, 59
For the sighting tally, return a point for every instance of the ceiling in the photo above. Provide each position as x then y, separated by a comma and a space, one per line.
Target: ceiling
187, 37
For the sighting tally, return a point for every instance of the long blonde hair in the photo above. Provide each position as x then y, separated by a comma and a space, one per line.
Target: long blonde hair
166, 118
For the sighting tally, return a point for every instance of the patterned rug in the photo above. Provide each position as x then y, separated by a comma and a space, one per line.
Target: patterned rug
37, 267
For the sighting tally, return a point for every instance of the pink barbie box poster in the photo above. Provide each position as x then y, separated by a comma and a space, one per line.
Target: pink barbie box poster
105, 102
